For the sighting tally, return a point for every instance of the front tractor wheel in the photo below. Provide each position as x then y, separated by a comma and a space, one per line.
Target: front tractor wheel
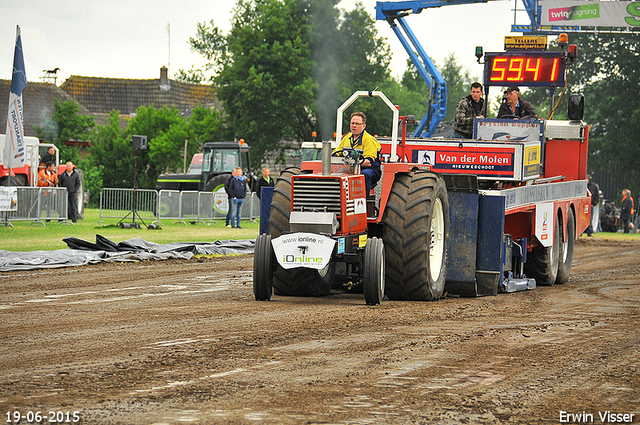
263, 268
299, 282
373, 281
416, 237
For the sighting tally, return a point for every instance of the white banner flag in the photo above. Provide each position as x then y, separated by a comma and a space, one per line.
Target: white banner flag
14, 145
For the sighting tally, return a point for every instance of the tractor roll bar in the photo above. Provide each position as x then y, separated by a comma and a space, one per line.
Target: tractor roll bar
396, 116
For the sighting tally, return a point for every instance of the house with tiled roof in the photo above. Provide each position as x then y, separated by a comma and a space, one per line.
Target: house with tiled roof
103, 95
37, 100
98, 96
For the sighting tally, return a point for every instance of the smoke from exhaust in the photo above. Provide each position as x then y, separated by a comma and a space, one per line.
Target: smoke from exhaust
326, 57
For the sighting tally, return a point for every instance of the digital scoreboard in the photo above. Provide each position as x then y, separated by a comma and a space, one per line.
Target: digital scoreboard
524, 68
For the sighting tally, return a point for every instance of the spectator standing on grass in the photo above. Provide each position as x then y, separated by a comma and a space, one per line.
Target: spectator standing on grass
238, 191
264, 181
227, 183
47, 178
71, 180
627, 209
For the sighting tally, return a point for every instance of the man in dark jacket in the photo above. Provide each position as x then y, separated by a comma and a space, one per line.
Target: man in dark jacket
627, 209
71, 180
238, 191
49, 156
264, 181
467, 110
516, 108
227, 183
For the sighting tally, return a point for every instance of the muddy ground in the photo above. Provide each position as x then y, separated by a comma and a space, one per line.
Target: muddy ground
184, 341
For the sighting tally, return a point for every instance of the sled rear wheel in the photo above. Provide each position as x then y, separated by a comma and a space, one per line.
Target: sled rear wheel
542, 264
565, 260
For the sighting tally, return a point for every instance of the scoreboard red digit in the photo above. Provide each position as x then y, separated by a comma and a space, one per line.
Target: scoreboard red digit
542, 69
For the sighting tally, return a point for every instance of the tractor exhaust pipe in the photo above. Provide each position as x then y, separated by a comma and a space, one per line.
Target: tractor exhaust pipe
326, 158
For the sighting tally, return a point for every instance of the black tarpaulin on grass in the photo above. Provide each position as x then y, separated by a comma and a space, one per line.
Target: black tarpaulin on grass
82, 252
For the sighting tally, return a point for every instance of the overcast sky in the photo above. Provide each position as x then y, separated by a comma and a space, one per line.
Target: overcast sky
128, 39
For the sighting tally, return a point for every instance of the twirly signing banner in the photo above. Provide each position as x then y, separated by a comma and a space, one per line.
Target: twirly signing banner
590, 13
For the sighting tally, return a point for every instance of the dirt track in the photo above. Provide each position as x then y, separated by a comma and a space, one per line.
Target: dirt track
173, 342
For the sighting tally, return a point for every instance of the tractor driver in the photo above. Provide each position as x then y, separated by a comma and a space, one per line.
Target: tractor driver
360, 139
516, 108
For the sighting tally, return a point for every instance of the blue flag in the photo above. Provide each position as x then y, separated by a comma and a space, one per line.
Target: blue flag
14, 144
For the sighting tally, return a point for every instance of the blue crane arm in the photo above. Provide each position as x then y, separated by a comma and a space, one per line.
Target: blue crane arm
394, 13
393, 9
431, 76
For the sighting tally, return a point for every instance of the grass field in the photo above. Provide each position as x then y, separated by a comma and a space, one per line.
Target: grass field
23, 237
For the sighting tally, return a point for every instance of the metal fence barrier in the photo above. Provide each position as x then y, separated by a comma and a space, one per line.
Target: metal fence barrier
189, 206
39, 204
173, 205
206, 213
118, 203
168, 205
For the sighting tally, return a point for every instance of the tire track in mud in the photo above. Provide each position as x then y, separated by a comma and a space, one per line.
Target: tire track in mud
185, 341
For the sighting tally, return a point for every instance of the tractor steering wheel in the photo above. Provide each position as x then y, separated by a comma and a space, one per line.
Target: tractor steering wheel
354, 154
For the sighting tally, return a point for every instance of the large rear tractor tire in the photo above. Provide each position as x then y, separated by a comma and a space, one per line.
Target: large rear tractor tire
299, 282
216, 182
565, 259
374, 279
281, 203
416, 237
542, 263
263, 268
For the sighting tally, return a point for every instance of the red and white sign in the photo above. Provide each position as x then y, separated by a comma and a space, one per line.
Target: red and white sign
544, 223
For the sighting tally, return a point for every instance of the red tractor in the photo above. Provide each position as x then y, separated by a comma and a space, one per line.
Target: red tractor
321, 216
467, 217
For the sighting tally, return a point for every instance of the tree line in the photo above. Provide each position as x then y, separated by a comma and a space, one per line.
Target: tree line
286, 65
